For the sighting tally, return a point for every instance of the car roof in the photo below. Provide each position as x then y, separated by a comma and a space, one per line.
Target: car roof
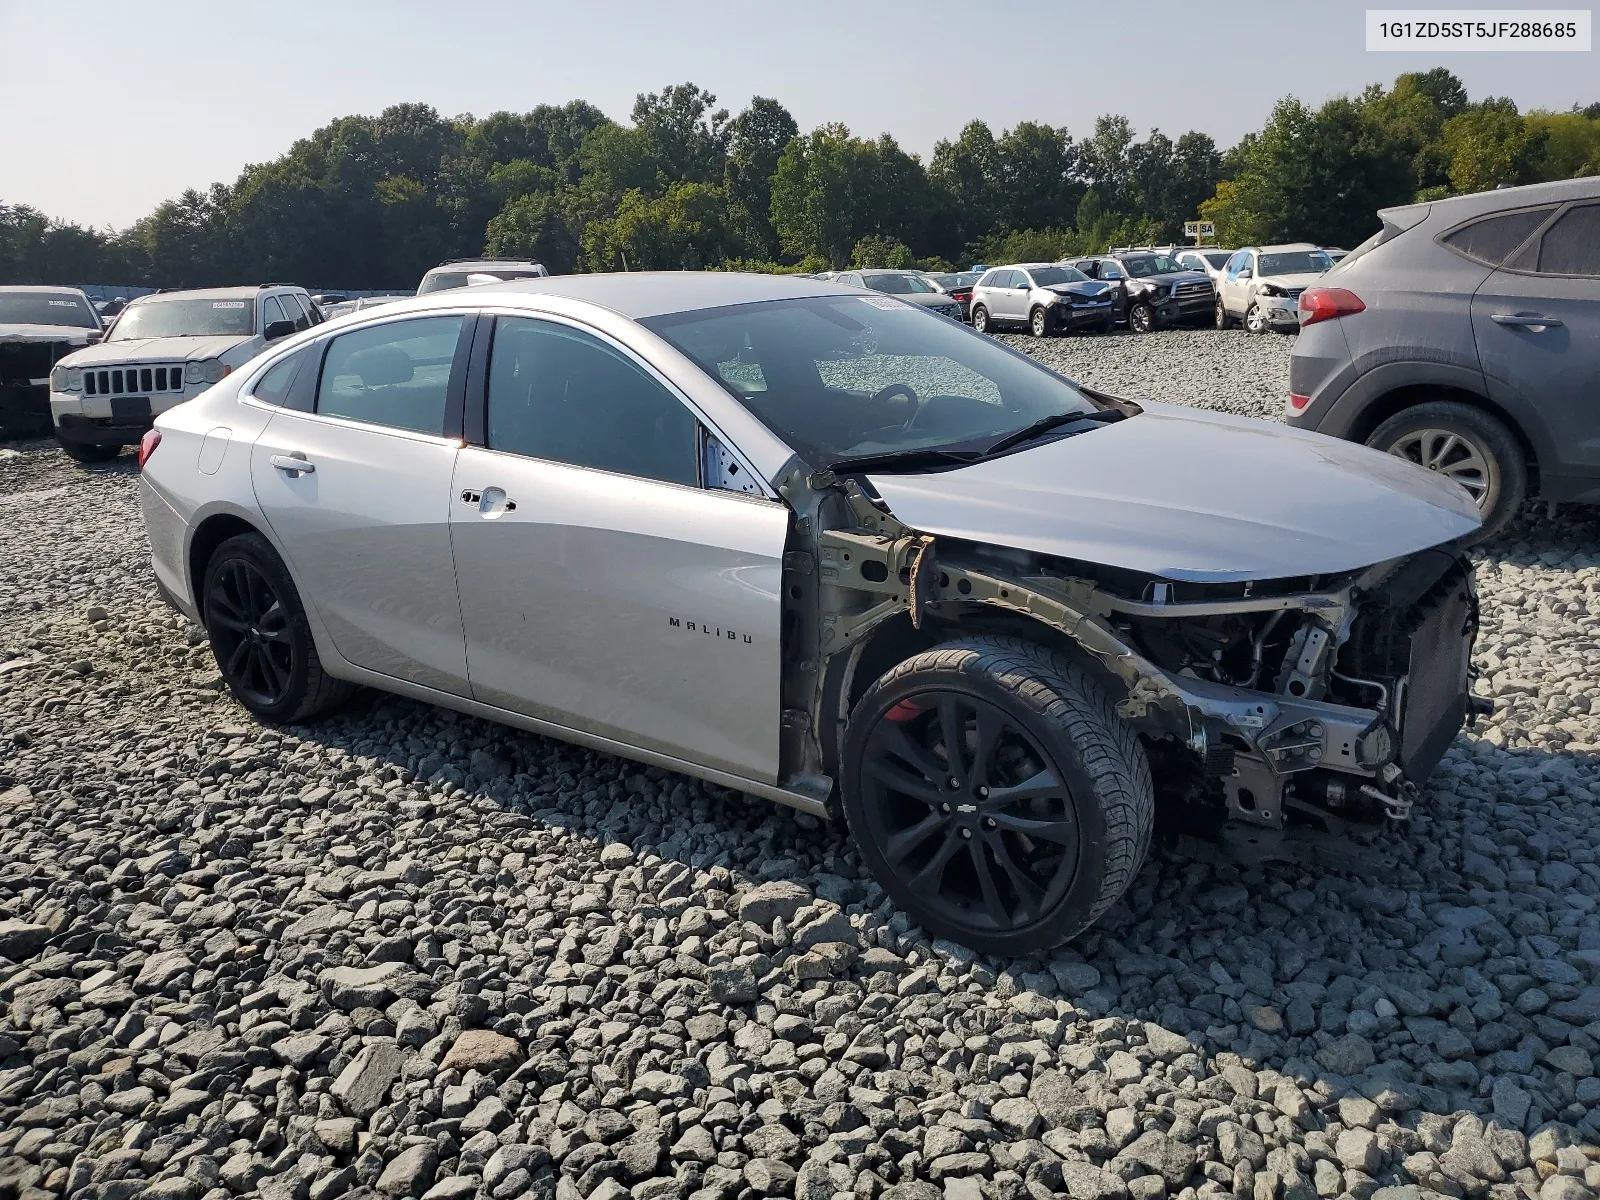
1284, 247
638, 294
52, 289
456, 265
887, 271
1460, 208
220, 293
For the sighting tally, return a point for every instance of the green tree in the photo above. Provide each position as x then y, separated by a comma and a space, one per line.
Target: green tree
535, 226
1490, 144
757, 137
1038, 185
685, 137
684, 230
967, 176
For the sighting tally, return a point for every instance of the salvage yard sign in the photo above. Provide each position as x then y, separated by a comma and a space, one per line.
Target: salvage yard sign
1199, 230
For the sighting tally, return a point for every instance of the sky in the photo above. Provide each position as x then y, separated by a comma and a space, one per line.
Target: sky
108, 108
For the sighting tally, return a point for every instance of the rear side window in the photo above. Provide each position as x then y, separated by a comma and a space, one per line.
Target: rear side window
560, 394
1492, 239
396, 374
1572, 245
277, 384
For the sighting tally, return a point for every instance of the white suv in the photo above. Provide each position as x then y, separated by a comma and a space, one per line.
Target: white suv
164, 349
1261, 285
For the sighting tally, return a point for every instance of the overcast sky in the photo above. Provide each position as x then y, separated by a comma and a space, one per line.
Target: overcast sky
108, 108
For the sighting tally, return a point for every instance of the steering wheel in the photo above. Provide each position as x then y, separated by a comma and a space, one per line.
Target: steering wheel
882, 397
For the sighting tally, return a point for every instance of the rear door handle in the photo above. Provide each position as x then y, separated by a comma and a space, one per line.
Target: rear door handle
293, 465
1525, 320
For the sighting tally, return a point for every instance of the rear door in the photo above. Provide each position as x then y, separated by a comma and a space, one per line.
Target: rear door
1537, 323
604, 589
357, 492
1009, 296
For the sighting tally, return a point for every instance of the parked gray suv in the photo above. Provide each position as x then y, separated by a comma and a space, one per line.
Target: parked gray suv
1465, 336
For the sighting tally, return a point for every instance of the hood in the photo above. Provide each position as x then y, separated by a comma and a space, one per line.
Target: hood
76, 334
1089, 287
1168, 277
167, 349
1300, 279
1186, 494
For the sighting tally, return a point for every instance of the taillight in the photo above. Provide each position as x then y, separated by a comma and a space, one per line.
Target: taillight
147, 446
1297, 402
1324, 304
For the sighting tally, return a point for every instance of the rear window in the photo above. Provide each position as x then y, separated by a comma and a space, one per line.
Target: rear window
1491, 240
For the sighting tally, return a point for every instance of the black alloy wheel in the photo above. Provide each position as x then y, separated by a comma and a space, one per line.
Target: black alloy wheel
259, 634
1141, 318
996, 795
250, 633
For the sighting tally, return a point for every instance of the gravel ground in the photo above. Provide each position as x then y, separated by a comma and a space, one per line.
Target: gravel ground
400, 952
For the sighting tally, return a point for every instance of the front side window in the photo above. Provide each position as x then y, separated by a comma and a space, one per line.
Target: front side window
1572, 245
844, 377
1110, 270
1492, 239
46, 308
396, 374
561, 394
185, 318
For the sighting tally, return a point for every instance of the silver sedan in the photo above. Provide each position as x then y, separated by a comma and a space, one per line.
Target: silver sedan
825, 547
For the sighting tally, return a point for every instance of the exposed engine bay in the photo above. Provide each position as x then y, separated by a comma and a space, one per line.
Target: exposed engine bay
1311, 702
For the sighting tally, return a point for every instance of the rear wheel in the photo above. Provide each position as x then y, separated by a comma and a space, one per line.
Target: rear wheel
1466, 445
980, 318
1141, 318
1039, 323
1221, 317
83, 452
996, 794
259, 634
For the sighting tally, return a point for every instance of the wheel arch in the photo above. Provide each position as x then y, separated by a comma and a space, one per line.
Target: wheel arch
208, 535
1398, 399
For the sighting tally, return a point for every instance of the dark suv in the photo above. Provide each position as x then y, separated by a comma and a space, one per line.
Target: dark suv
1465, 336
1153, 290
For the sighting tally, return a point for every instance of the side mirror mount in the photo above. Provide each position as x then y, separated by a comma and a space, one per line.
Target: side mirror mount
96, 336
278, 329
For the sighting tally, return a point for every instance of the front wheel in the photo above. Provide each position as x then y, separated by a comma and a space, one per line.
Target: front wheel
1255, 318
259, 634
996, 795
1466, 445
83, 452
980, 318
1039, 322
1141, 318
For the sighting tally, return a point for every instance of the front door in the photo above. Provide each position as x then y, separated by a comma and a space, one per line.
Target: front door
1537, 323
603, 588
1235, 286
358, 494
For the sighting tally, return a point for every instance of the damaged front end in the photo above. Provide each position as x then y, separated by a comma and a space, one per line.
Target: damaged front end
1311, 703
26, 360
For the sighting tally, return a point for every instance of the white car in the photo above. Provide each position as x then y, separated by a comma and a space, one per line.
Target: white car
164, 349
1261, 285
1209, 259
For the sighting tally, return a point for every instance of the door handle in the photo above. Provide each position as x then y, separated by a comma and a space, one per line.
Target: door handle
492, 502
293, 465
1525, 320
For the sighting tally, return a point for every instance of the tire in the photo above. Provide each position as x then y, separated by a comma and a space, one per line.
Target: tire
1486, 458
980, 318
1041, 713
1255, 318
1222, 319
84, 452
1141, 318
259, 634
1040, 323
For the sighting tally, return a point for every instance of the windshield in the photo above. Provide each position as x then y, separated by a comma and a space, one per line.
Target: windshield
1051, 276
445, 280
846, 376
1295, 262
1150, 264
45, 308
898, 285
185, 318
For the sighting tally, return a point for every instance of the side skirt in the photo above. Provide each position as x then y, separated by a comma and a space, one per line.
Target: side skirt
489, 712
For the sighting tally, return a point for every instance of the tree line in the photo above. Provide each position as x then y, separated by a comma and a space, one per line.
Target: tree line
373, 202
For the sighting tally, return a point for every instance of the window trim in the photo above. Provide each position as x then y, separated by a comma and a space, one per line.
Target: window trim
1481, 218
476, 391
1537, 239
